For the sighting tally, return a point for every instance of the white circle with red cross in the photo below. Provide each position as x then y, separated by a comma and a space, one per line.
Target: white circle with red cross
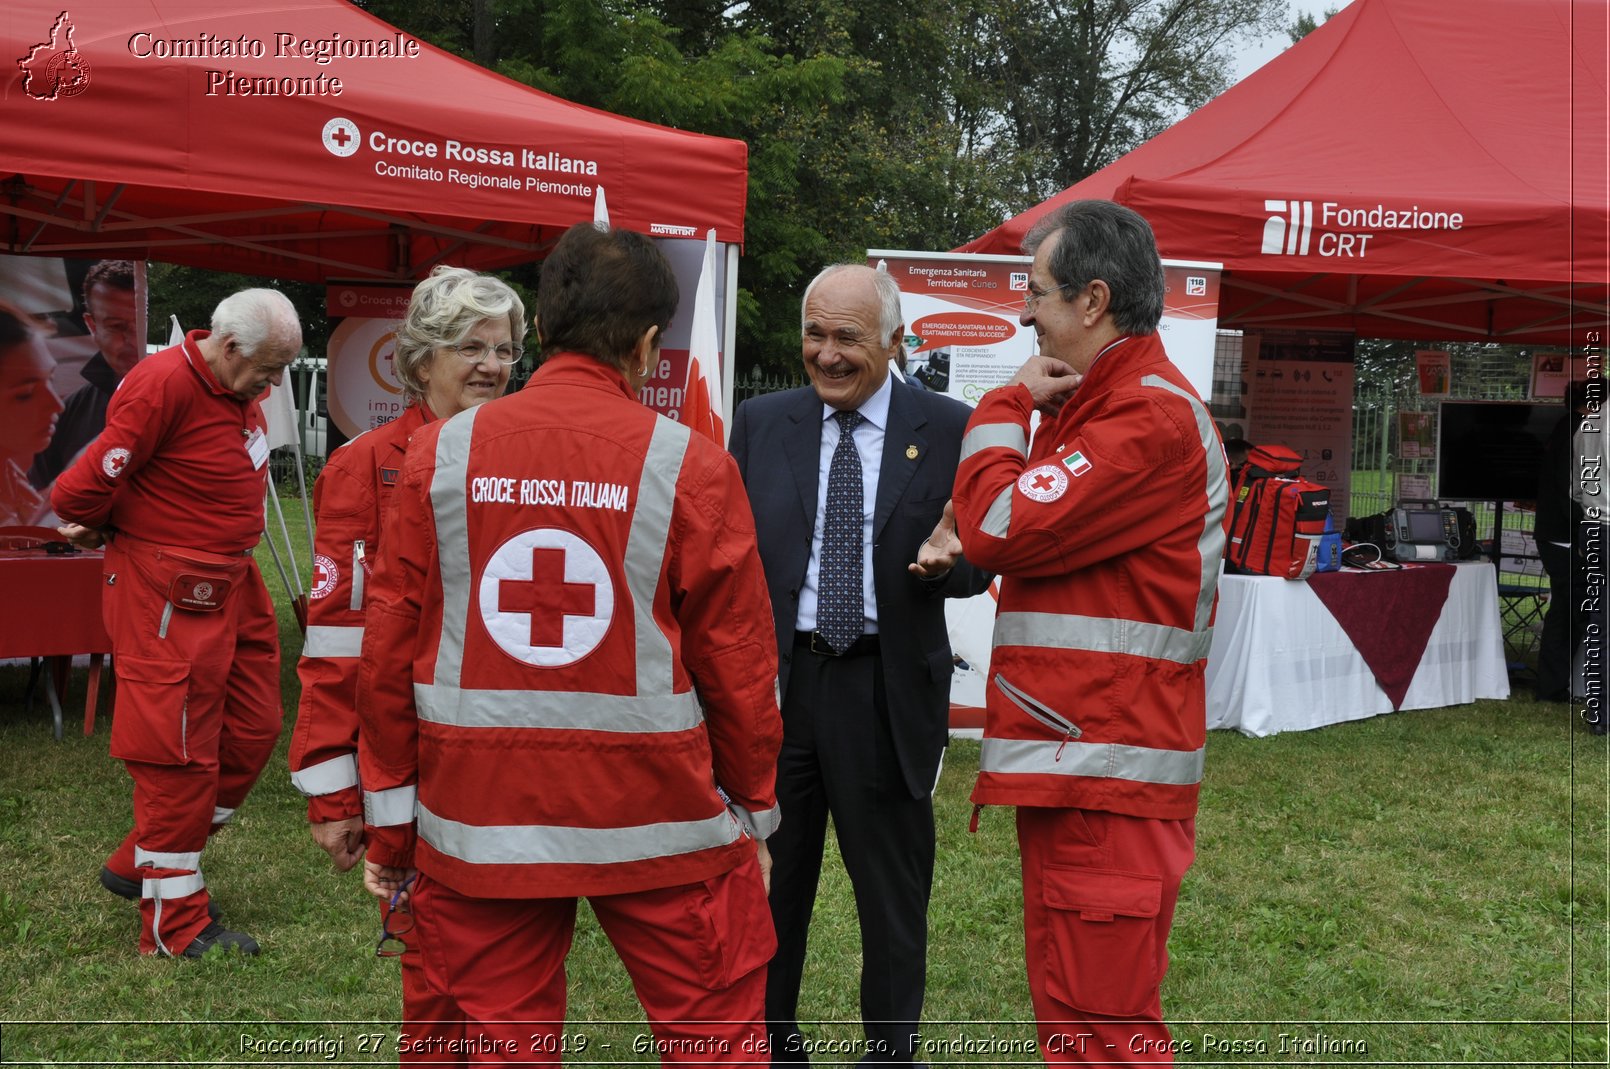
325, 576
1045, 483
546, 597
113, 461
341, 137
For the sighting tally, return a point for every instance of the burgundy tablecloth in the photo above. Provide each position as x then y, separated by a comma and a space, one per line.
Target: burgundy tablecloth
50, 605
1388, 615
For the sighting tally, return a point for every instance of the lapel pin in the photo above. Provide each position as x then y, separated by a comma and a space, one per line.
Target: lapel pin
911, 452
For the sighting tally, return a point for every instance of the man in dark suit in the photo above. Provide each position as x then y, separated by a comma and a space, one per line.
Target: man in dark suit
860, 552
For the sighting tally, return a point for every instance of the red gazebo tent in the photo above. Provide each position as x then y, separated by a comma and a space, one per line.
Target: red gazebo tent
1411, 169
307, 139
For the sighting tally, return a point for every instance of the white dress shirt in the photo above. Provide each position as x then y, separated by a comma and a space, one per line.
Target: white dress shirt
869, 443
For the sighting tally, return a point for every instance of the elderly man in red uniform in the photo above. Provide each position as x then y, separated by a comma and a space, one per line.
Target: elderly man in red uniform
173, 487
1107, 533
568, 688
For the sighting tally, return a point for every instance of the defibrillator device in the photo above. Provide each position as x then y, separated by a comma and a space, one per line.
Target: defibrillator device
1426, 534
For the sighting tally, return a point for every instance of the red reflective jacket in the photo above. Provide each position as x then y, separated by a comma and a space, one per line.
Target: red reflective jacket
352, 492
569, 671
1108, 535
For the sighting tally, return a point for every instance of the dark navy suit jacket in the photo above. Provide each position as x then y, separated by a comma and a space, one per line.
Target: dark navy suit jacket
776, 439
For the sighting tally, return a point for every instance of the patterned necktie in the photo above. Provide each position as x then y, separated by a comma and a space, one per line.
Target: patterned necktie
840, 611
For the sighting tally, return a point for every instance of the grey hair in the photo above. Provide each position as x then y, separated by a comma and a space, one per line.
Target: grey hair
1110, 242
890, 317
445, 307
252, 316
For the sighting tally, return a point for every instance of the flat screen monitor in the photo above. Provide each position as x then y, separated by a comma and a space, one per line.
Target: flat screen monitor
1492, 450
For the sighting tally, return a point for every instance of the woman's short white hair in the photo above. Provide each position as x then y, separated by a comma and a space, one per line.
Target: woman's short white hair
252, 316
444, 309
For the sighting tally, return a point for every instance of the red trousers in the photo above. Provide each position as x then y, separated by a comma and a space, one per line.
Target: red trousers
696, 954
196, 719
1098, 898
435, 1024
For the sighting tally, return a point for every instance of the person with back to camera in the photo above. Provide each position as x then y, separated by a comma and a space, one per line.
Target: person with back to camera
461, 334
29, 408
568, 688
174, 488
1108, 534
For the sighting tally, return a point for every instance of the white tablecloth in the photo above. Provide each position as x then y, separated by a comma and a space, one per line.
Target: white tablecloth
1281, 662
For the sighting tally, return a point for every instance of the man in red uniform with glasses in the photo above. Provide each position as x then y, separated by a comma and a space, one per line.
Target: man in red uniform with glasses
1107, 528
173, 488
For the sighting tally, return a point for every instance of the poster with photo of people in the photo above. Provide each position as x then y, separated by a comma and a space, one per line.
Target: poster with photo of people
69, 331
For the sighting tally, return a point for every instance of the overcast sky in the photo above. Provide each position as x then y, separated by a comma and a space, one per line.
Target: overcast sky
1252, 57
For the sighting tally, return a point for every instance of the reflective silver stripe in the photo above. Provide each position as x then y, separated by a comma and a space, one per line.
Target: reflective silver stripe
999, 517
160, 860
220, 815
356, 604
327, 777
389, 808
645, 551
557, 709
333, 642
172, 887
1049, 630
1107, 760
520, 844
760, 825
447, 497
990, 435
1211, 544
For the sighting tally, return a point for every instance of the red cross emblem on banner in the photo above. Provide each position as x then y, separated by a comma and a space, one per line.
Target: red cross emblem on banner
546, 597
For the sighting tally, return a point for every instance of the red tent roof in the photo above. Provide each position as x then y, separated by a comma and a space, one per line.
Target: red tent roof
308, 139
1412, 168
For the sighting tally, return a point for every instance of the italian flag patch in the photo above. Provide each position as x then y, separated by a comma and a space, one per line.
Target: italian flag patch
1076, 462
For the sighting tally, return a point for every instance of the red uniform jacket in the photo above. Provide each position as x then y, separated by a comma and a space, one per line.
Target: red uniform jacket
172, 466
1108, 536
349, 498
568, 651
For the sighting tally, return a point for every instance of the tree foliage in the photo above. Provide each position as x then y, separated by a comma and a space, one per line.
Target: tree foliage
1084, 81
893, 124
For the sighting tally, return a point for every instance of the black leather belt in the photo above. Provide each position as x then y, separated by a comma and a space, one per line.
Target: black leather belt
865, 646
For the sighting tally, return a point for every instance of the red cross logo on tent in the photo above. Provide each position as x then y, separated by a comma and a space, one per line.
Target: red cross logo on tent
341, 137
546, 597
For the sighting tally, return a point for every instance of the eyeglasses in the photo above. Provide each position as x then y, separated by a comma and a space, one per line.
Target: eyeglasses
398, 922
476, 351
1034, 296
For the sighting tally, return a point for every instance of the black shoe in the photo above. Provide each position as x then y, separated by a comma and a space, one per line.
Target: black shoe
130, 890
216, 935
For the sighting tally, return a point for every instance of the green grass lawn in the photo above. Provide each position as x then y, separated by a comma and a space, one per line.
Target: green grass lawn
1427, 888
